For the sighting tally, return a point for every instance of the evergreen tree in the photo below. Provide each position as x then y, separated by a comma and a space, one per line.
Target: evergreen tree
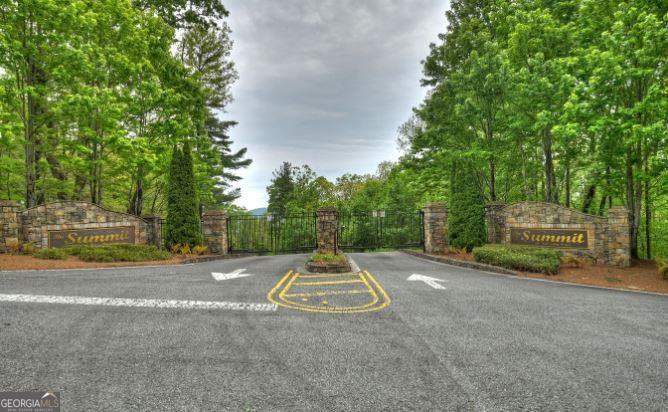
183, 223
466, 214
280, 188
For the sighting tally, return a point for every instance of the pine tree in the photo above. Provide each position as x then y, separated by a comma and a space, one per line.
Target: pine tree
466, 215
183, 223
280, 188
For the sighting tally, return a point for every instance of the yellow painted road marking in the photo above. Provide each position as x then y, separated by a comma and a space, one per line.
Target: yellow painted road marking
326, 293
328, 282
332, 275
280, 294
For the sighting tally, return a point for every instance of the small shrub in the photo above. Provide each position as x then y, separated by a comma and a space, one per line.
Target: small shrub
175, 248
185, 249
327, 257
54, 254
200, 250
28, 248
13, 248
519, 258
118, 253
571, 260
662, 265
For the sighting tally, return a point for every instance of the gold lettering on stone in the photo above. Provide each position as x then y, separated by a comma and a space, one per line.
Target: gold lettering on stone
99, 236
557, 238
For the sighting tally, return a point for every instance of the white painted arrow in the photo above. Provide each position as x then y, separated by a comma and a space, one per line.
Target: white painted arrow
428, 280
232, 275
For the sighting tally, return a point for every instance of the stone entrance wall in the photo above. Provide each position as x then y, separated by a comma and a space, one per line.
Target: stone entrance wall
32, 226
607, 240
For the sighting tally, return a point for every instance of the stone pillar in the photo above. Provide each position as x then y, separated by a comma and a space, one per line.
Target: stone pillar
495, 222
214, 231
619, 238
153, 233
435, 228
327, 226
9, 226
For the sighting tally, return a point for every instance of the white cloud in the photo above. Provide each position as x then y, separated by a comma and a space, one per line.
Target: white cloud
325, 82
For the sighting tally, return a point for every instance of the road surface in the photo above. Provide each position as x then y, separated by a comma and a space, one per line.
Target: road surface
175, 338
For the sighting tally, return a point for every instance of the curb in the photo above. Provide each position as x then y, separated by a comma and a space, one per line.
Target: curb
187, 261
495, 270
465, 264
202, 259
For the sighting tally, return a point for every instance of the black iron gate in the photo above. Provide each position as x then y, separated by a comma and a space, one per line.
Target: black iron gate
380, 229
272, 233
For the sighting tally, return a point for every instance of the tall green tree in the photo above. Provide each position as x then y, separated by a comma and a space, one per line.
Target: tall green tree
280, 189
466, 212
183, 213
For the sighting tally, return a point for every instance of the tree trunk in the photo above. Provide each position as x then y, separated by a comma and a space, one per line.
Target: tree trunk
137, 200
568, 185
648, 208
550, 179
589, 198
633, 198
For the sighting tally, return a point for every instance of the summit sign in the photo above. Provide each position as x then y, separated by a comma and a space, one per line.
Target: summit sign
558, 238
100, 236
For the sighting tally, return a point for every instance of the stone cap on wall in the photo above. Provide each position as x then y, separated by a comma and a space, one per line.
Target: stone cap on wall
502, 205
80, 202
435, 205
8, 203
214, 213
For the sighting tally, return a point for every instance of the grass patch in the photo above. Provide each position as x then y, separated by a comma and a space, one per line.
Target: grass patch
107, 253
327, 257
54, 254
613, 280
519, 258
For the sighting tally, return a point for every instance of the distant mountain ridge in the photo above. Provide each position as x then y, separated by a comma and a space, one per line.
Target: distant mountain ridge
258, 212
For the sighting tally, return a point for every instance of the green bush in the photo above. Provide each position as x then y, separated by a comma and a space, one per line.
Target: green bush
662, 265
466, 213
183, 220
118, 253
106, 253
56, 254
519, 258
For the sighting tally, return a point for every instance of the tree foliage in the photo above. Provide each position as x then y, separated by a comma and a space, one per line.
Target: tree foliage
95, 93
183, 222
466, 212
561, 101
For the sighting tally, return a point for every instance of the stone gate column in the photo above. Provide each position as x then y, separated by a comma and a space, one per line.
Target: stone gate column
619, 238
9, 225
495, 222
153, 234
435, 228
327, 236
214, 231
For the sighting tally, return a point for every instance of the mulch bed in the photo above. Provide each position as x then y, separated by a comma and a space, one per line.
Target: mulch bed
642, 275
22, 262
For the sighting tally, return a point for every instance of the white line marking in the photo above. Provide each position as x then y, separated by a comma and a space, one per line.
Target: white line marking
353, 265
428, 280
232, 275
140, 303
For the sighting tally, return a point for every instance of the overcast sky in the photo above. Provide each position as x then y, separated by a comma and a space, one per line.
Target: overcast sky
325, 82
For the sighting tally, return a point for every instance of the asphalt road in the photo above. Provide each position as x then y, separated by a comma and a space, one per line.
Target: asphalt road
485, 342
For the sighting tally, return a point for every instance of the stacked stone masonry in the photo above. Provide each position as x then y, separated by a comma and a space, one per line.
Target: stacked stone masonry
435, 228
327, 226
608, 236
32, 226
214, 231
